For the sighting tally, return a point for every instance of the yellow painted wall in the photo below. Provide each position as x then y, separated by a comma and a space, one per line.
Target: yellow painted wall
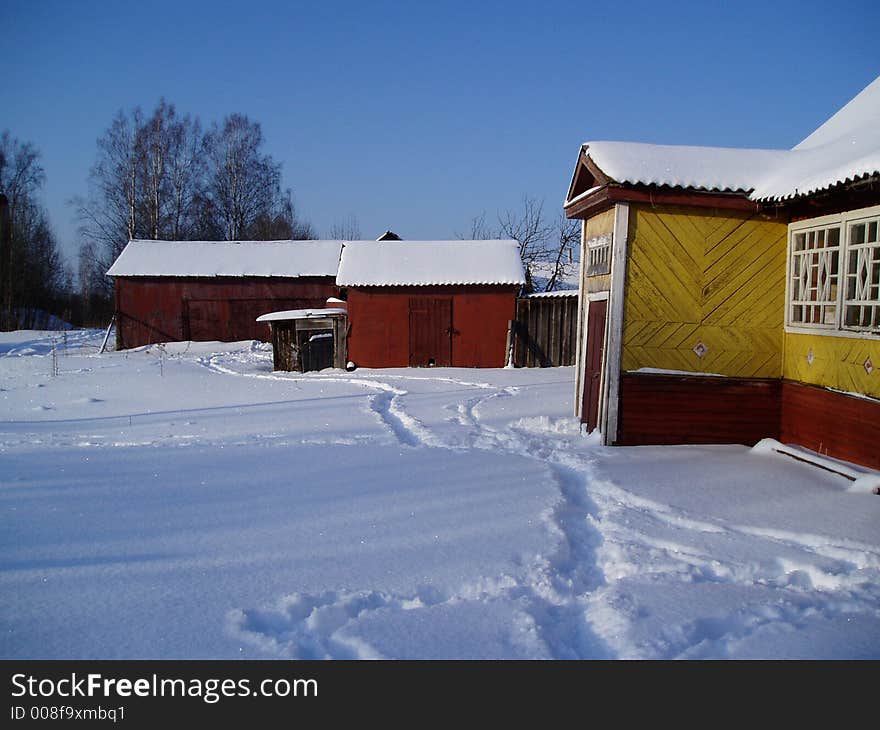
704, 275
596, 226
838, 362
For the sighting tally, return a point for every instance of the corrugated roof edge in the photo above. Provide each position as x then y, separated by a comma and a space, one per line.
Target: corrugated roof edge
551, 294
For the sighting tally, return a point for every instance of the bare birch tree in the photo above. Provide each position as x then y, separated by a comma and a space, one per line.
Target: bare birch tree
242, 182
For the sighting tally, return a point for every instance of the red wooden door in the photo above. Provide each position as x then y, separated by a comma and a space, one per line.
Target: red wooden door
593, 365
430, 331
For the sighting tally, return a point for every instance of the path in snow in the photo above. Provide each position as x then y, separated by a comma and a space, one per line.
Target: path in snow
646, 553
593, 597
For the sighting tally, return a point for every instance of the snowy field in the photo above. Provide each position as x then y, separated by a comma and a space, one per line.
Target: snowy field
193, 504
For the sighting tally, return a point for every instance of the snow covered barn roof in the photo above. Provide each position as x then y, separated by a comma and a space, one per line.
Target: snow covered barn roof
425, 263
844, 148
228, 258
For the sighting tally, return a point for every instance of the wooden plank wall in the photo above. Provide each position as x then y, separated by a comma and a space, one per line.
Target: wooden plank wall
715, 277
546, 331
284, 335
839, 425
688, 409
834, 362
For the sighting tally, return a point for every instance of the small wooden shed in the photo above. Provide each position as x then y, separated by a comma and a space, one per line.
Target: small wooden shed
430, 303
308, 339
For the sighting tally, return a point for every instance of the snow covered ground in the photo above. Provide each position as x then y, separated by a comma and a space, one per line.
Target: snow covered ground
191, 503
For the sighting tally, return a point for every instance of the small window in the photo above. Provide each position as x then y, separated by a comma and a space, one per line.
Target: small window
862, 303
599, 255
834, 273
815, 267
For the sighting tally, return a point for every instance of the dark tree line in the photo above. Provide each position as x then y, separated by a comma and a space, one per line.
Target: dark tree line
161, 176
34, 280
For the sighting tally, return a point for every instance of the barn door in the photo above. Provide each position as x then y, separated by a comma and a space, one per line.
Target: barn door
593, 365
430, 331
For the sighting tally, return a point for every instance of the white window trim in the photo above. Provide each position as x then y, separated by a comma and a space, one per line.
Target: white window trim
837, 329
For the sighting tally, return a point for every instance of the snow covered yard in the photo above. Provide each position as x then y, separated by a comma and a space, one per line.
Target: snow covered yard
191, 503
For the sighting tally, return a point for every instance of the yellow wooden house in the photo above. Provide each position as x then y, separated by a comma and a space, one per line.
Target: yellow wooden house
728, 295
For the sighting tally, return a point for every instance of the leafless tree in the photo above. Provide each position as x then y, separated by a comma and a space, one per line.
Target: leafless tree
479, 230
281, 222
33, 272
548, 248
114, 211
242, 182
185, 170
348, 229
160, 177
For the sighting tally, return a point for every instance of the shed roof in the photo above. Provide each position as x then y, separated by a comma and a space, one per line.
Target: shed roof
425, 263
228, 258
844, 148
289, 314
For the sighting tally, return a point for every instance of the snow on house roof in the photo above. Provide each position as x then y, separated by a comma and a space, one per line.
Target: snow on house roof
228, 258
424, 263
844, 148
702, 168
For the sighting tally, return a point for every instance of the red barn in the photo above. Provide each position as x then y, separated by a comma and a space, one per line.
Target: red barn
424, 303
215, 290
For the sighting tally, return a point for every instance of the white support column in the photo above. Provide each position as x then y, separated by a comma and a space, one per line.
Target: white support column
581, 332
614, 325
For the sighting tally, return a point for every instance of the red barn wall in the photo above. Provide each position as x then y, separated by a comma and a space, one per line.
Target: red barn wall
379, 317
159, 309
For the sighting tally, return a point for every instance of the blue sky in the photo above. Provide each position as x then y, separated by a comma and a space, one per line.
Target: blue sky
419, 116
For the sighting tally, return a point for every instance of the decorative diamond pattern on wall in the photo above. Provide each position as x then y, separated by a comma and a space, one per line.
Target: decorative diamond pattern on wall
869, 366
700, 349
810, 356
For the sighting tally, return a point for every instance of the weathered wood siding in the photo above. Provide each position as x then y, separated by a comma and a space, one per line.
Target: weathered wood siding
546, 331
839, 425
379, 335
288, 338
164, 309
834, 362
699, 275
688, 409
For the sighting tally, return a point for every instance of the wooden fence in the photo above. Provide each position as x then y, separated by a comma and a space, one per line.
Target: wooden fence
545, 331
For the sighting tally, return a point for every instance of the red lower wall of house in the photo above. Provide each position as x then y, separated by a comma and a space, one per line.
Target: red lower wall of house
163, 309
843, 426
686, 409
669, 409
380, 336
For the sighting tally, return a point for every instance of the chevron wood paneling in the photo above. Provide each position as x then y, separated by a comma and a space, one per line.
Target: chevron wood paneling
704, 276
835, 362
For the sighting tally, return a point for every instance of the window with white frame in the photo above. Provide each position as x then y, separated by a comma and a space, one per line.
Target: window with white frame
599, 255
834, 273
